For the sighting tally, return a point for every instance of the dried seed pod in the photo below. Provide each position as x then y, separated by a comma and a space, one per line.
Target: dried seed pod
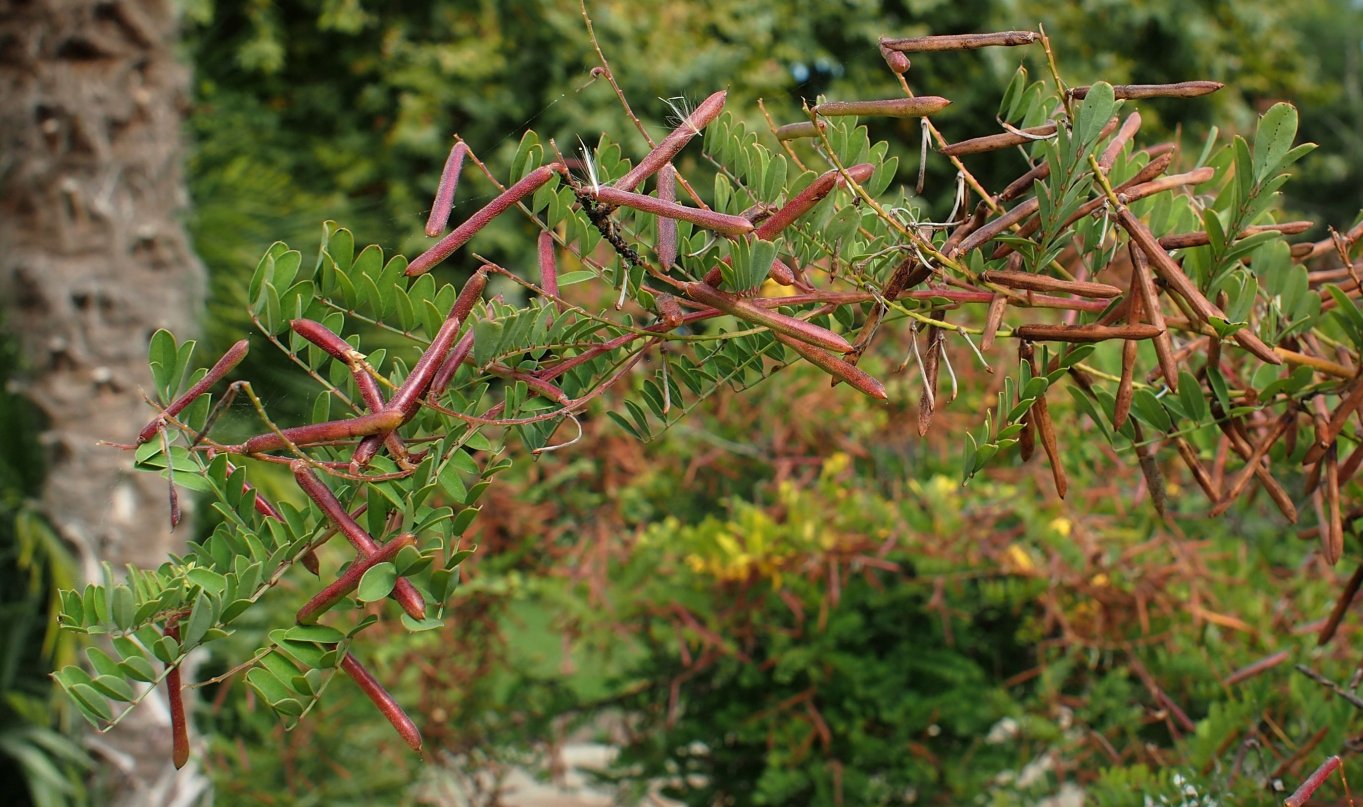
446, 246
1130, 126
998, 304
667, 227
1202, 238
1042, 413
1036, 282
1149, 297
381, 698
1084, 333
1204, 480
1181, 89
220, 368
995, 142
444, 192
1027, 437
917, 107
1168, 269
941, 42
1246, 473
1251, 670
664, 152
1333, 546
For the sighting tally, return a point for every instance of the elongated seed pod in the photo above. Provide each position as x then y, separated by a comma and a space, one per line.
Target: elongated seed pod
941, 42
1334, 545
917, 107
1335, 424
179, 723
314, 433
1168, 269
722, 223
1190, 459
444, 192
667, 227
403, 591
381, 698
796, 131
1201, 238
806, 199
1312, 783
1130, 126
840, 370
998, 304
1126, 386
220, 368
1027, 437
446, 246
344, 585
1144, 183
1256, 668
1035, 282
408, 396
1241, 480
1084, 333
1145, 289
994, 142
1040, 415
1342, 603
664, 152
1181, 89
452, 363
780, 323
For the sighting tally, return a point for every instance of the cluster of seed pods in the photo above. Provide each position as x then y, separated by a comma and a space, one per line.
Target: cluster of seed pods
1137, 316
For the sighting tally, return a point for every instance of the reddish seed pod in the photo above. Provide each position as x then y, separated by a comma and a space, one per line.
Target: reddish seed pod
445, 374
548, 266
405, 594
444, 193
220, 368
1085, 333
408, 396
179, 724
1181, 89
994, 142
384, 700
722, 223
671, 145
344, 585
917, 107
805, 200
780, 323
669, 311
840, 370
446, 246
315, 433
1308, 788
1036, 282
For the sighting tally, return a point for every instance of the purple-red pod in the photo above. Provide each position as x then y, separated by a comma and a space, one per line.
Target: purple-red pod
667, 228
179, 723
408, 396
841, 370
445, 374
722, 223
446, 246
406, 595
220, 368
548, 266
342, 586
381, 698
805, 200
780, 323
663, 153
444, 192
314, 433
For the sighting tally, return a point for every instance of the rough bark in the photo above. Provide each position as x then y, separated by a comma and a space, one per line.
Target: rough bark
93, 259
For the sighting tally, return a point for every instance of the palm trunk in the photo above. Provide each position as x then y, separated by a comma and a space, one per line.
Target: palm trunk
93, 259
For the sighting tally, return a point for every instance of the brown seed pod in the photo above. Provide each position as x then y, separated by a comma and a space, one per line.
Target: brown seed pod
917, 107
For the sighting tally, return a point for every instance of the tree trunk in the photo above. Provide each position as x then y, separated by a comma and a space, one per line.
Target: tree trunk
93, 259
